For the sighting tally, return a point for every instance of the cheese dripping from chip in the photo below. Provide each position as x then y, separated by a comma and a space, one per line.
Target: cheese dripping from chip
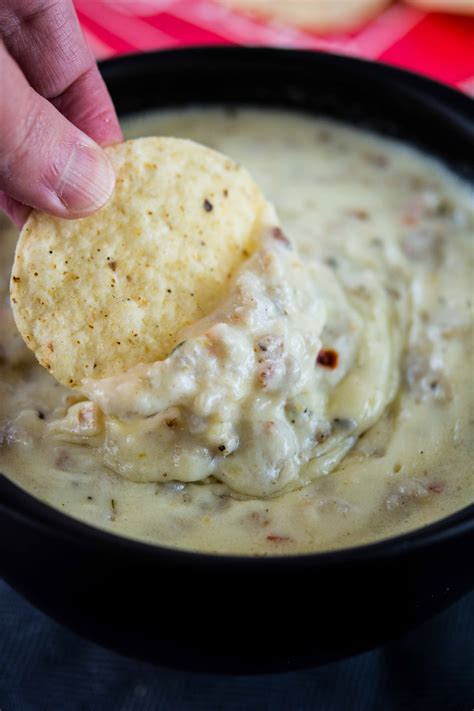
93, 297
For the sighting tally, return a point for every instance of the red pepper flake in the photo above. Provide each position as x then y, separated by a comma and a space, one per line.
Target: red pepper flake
436, 488
278, 234
328, 358
278, 539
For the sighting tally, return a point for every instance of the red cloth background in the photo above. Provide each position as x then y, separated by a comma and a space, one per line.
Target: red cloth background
435, 44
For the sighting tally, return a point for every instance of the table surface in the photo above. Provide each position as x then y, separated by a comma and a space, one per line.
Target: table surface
44, 667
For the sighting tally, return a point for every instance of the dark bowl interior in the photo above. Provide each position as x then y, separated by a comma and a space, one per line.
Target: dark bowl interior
239, 614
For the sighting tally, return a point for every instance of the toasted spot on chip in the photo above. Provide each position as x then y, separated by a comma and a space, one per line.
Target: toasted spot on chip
114, 289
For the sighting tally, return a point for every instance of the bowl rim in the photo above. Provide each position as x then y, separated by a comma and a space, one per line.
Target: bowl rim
32, 511
461, 104
41, 515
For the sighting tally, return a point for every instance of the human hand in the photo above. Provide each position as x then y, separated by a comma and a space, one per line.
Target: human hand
54, 111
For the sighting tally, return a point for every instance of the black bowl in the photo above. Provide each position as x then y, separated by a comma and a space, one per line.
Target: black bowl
238, 614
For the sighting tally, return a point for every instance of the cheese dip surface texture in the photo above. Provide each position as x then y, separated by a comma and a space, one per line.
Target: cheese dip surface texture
327, 401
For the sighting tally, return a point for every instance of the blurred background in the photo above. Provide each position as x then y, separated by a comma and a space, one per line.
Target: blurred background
433, 37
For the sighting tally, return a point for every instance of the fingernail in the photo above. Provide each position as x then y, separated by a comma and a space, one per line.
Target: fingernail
87, 181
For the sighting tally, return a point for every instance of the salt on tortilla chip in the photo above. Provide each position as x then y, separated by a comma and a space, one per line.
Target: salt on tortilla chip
95, 296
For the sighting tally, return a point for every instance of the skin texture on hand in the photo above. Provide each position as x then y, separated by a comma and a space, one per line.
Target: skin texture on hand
55, 112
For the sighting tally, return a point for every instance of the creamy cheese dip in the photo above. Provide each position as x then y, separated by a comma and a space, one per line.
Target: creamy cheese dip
327, 402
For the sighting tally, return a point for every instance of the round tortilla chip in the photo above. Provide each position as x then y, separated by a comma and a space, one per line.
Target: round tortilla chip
95, 296
318, 15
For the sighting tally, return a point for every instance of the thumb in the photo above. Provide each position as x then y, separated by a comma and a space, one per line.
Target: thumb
45, 161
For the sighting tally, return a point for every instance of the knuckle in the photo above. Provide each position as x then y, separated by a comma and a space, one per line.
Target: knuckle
15, 16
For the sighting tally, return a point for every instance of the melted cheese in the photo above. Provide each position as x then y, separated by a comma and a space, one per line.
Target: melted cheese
313, 457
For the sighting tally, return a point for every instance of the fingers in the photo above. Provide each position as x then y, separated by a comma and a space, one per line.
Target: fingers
87, 104
14, 209
46, 41
45, 161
